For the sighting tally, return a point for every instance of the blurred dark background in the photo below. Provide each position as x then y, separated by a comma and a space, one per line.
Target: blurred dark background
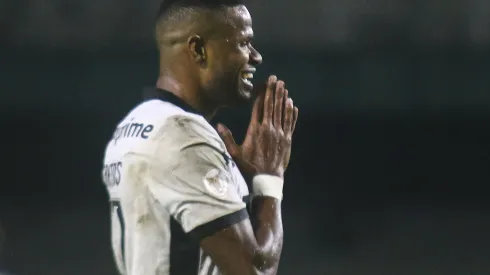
391, 157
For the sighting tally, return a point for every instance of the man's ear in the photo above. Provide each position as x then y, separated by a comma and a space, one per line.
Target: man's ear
197, 49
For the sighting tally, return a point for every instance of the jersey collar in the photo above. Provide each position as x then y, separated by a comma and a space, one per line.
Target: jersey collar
164, 95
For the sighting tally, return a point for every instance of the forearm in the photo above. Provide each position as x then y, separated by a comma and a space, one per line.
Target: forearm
267, 221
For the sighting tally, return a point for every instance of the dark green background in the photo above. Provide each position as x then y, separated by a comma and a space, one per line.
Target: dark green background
388, 175
400, 81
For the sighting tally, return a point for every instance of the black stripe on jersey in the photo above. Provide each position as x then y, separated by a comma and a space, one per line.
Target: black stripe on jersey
211, 269
218, 224
246, 199
123, 231
226, 158
184, 251
117, 206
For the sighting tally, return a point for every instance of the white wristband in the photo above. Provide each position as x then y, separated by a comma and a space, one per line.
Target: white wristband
268, 186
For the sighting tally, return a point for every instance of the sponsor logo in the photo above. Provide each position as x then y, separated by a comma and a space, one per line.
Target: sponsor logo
132, 130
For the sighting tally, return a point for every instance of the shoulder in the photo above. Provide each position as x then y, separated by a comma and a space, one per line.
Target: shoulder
157, 122
174, 126
189, 150
187, 130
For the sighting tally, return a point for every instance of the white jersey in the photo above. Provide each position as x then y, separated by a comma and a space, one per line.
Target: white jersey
171, 183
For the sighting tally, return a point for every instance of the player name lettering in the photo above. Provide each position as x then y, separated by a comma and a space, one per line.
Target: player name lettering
112, 173
132, 129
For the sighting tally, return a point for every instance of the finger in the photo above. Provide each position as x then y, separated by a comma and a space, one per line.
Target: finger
295, 118
269, 100
258, 108
285, 101
278, 104
257, 112
228, 139
288, 117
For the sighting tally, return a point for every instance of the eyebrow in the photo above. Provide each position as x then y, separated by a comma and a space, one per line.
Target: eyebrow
248, 33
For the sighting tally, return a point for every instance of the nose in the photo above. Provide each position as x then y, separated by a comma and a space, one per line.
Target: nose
255, 57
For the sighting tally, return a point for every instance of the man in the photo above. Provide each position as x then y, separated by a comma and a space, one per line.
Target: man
179, 201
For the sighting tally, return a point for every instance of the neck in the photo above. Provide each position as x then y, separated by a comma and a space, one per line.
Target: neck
192, 96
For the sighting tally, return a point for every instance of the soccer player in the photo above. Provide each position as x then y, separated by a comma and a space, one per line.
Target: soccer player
179, 190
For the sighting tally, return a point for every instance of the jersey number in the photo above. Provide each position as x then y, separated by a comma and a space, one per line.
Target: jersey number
116, 206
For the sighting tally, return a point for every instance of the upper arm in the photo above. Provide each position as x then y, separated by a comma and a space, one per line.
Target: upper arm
195, 186
234, 249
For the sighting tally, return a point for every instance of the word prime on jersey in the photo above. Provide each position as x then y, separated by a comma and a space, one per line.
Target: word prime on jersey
132, 129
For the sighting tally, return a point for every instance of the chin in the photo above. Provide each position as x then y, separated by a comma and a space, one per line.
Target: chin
246, 95
240, 97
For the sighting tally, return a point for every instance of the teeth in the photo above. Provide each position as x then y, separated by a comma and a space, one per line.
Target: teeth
248, 75
247, 81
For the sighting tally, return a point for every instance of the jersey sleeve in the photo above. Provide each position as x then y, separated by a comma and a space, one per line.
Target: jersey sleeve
192, 179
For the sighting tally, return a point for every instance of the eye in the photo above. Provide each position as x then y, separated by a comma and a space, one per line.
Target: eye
245, 44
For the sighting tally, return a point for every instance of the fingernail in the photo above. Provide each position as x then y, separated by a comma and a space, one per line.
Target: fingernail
272, 78
220, 128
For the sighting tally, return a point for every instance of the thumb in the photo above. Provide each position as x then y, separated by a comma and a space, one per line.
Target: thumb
228, 139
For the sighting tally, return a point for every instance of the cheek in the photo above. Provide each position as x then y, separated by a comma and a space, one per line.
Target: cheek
224, 70
223, 66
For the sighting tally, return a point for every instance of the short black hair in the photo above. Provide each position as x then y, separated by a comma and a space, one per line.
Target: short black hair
168, 5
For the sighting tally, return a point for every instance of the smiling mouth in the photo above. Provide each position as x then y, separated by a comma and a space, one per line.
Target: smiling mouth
247, 77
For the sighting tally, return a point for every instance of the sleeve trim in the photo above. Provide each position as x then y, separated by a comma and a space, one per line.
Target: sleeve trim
226, 158
208, 229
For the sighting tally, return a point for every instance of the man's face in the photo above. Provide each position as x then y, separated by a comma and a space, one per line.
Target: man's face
232, 60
